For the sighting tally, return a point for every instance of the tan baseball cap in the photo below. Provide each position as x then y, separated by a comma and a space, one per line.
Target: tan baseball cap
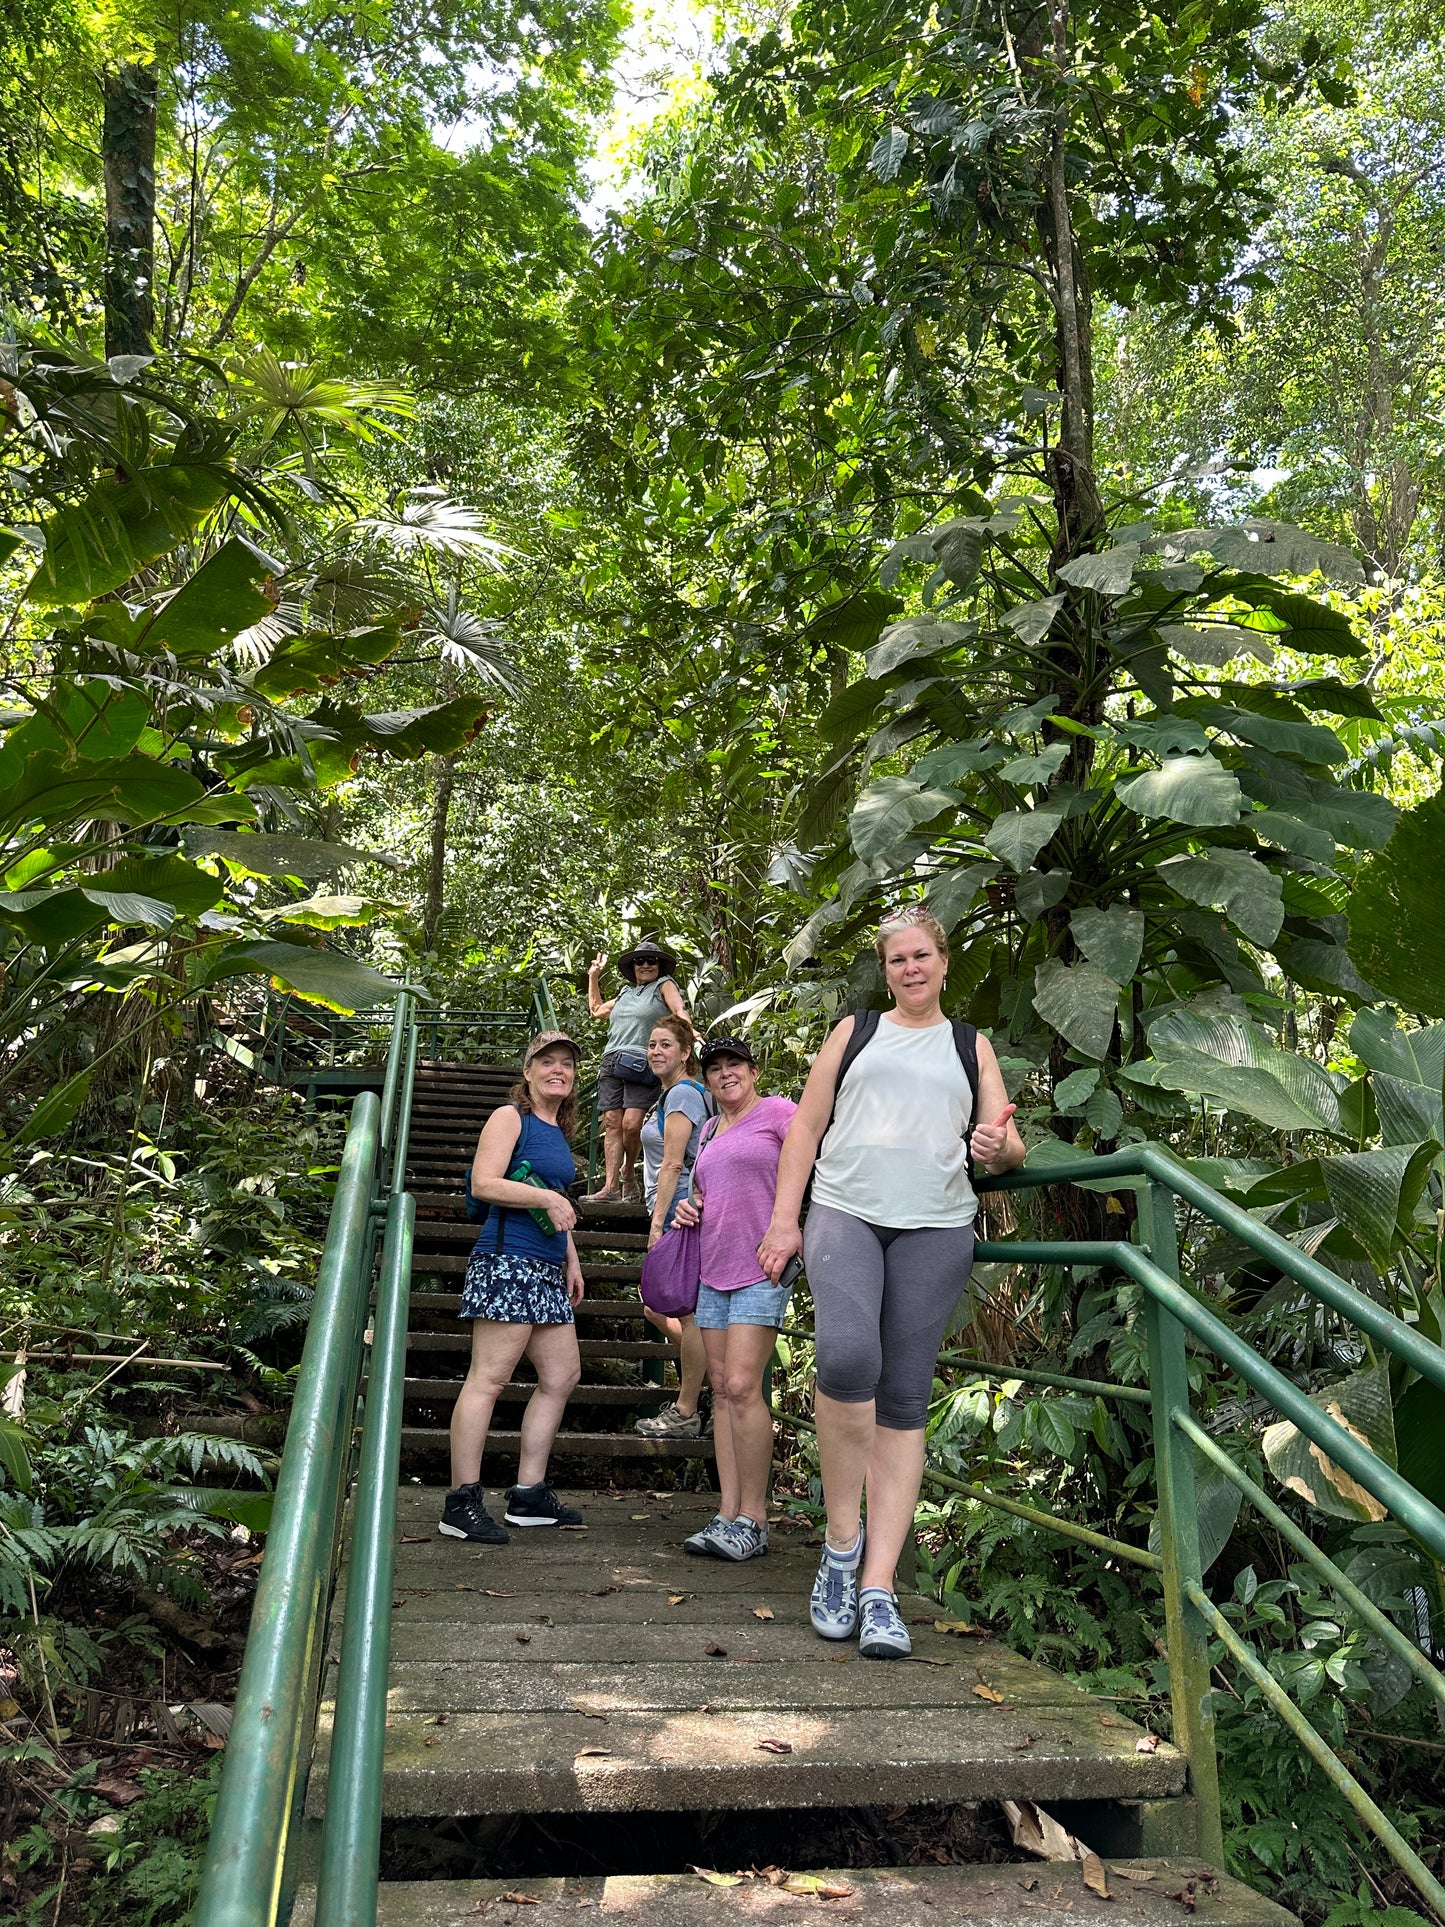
545, 1039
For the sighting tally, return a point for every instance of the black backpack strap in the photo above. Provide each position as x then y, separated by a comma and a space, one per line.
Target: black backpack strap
965, 1042
865, 1025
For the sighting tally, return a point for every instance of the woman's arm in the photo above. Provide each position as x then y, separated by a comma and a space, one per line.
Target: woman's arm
495, 1148
996, 1145
800, 1152
689, 1209
572, 1273
672, 997
677, 1129
598, 1006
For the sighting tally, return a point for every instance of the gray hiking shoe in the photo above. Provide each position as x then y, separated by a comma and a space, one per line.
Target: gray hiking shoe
705, 1541
669, 1423
743, 1539
833, 1607
883, 1634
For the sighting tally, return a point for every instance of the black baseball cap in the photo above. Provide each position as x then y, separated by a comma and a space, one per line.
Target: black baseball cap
726, 1047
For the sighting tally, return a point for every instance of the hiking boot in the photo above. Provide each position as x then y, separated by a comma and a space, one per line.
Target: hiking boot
883, 1635
465, 1516
669, 1423
833, 1606
705, 1541
743, 1539
538, 1505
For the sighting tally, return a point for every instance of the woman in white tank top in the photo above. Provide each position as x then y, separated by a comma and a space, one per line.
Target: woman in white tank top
888, 1250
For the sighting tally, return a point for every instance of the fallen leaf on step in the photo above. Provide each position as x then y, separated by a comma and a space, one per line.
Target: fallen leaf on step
639, 1517
763, 1612
459, 1587
959, 1626
983, 1691
1095, 1878
416, 1538
522, 1639
577, 1529
926, 1659
1027, 1741
584, 1903
676, 1598
812, 1883
1107, 1719
602, 1591
840, 1659
441, 1719
487, 1593
774, 1746
718, 1879
1136, 1873
1149, 1744
545, 1619
1029, 1886
594, 1753
119, 1792
522, 1900
714, 1651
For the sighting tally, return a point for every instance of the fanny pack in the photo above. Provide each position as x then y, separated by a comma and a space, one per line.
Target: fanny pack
632, 1066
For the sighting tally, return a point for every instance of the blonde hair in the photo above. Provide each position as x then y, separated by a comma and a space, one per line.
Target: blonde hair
910, 919
683, 1031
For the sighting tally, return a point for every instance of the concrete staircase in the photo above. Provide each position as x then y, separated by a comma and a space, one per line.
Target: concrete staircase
625, 1371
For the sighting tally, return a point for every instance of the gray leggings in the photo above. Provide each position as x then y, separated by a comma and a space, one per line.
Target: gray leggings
882, 1300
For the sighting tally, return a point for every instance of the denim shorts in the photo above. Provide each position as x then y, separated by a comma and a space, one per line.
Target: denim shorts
759, 1304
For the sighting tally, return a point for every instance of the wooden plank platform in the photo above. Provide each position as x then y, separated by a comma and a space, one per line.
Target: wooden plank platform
606, 1669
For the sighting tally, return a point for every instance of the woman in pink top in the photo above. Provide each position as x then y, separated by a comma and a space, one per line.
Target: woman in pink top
738, 1308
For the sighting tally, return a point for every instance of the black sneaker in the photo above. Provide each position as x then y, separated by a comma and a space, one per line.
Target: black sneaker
465, 1516
538, 1505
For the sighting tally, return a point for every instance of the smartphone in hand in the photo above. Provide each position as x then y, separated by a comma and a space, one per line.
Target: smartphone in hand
792, 1271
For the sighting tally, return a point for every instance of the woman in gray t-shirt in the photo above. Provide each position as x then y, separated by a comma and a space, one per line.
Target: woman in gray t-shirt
626, 1088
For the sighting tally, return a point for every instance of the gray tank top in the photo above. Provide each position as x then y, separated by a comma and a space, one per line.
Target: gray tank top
636, 1010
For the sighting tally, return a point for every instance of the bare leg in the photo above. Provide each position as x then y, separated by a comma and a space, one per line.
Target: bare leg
553, 1352
495, 1351
632, 1147
692, 1358
845, 1447
747, 1351
716, 1346
611, 1149
895, 1473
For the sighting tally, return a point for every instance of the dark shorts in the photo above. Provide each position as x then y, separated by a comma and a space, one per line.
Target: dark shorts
616, 1093
508, 1289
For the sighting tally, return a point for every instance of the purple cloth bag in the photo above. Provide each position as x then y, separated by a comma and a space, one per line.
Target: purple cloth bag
671, 1272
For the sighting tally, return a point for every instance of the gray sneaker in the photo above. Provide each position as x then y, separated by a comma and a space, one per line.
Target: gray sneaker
669, 1423
705, 1542
883, 1634
833, 1606
743, 1539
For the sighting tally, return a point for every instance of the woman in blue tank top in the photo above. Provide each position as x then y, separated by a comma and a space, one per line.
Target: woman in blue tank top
522, 1281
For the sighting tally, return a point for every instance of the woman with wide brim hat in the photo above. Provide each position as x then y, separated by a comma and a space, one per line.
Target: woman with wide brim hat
626, 1087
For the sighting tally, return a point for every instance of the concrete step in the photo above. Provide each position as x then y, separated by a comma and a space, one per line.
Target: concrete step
461, 1343
443, 1391
424, 1440
1144, 1893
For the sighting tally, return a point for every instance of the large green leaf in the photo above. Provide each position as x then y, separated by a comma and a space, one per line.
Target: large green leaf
1361, 1403
1309, 742
1035, 769
327, 913
1113, 938
888, 809
1272, 548
186, 888
1108, 573
1397, 913
1408, 1075
950, 762
135, 789
1358, 819
1079, 1001
55, 1109
805, 944
918, 636
1419, 1432
301, 857
855, 622
119, 529
1374, 1193
1185, 789
1301, 623
1018, 835
951, 894
226, 595
1231, 1060
307, 664
1037, 891
1236, 883
320, 976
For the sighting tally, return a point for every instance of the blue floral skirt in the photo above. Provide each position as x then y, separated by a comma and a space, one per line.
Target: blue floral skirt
512, 1290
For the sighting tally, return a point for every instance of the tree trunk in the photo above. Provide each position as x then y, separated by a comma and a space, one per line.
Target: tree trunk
444, 782
128, 154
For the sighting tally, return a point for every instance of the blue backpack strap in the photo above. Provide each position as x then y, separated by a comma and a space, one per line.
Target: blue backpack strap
500, 1210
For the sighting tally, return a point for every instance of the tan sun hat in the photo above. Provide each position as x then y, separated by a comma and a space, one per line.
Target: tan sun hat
545, 1039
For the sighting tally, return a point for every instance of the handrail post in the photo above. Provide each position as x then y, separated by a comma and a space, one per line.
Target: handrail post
1185, 1632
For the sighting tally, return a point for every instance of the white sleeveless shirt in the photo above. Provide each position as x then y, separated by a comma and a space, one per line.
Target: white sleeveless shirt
894, 1154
